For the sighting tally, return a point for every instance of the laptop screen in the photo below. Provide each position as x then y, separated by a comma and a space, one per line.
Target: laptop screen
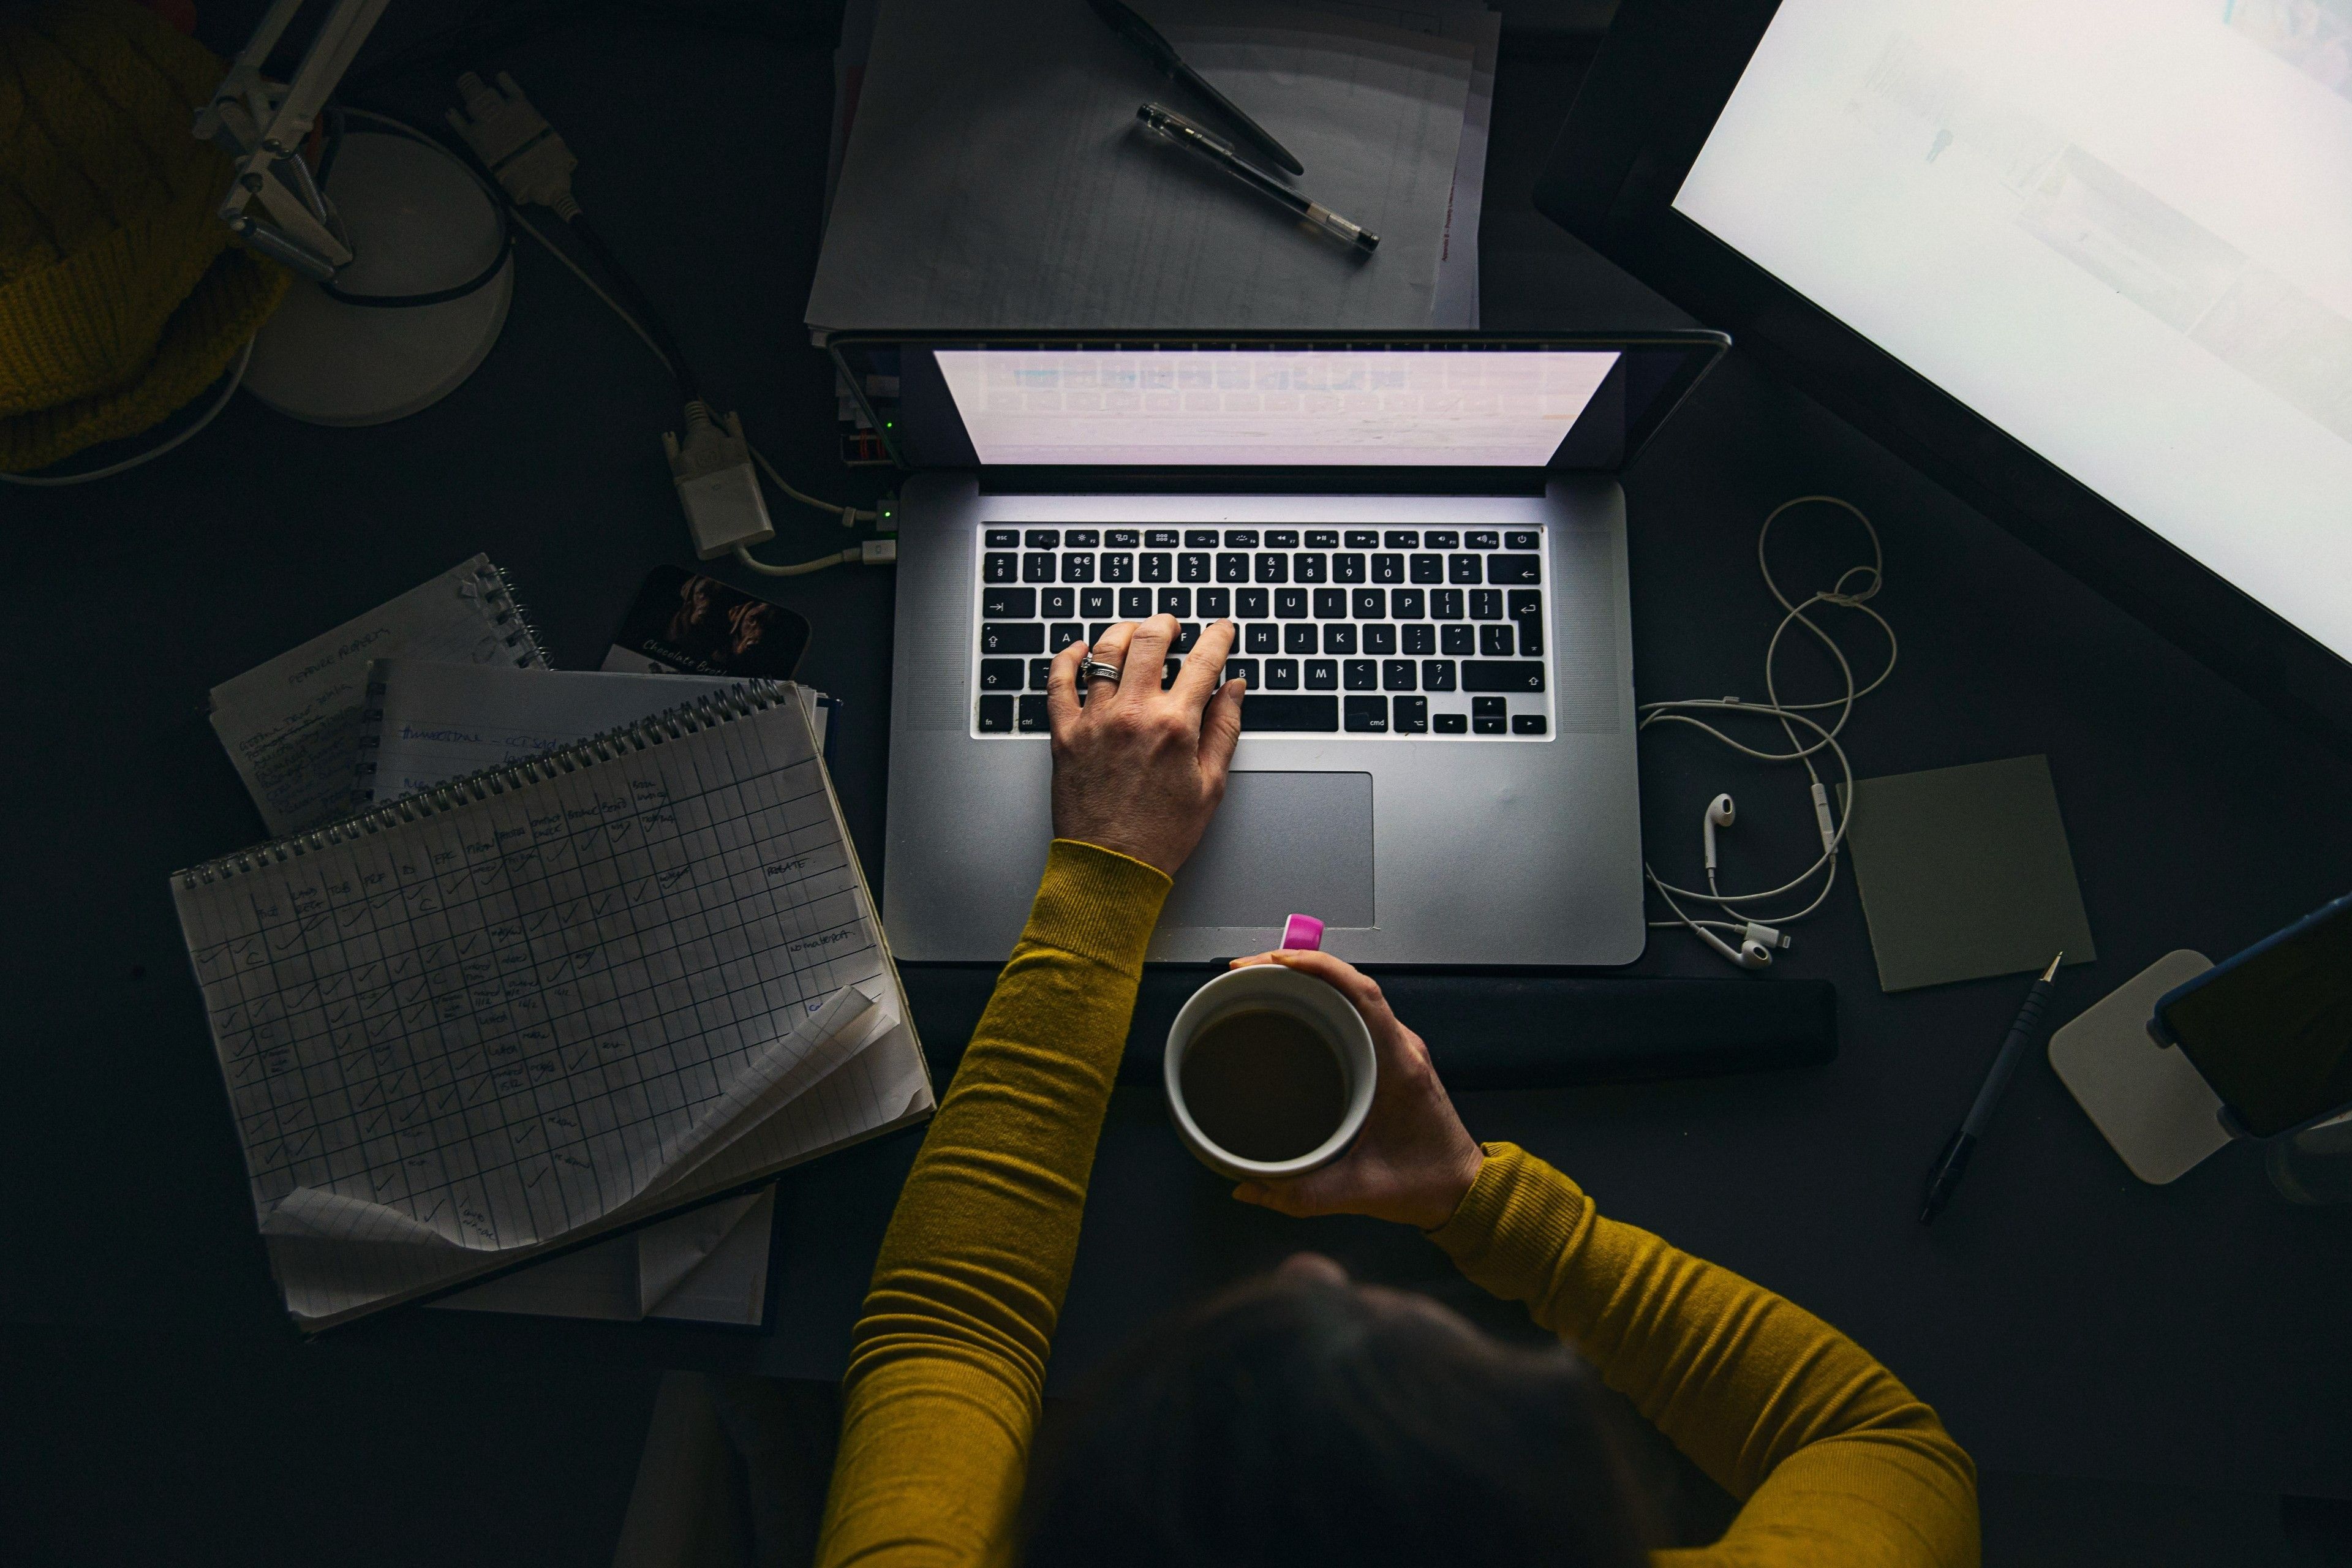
1250, 406
1397, 406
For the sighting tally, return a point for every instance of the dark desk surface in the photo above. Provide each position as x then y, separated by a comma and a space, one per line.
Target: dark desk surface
2063, 1317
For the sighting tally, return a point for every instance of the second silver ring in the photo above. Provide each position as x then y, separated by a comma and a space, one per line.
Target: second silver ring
1095, 669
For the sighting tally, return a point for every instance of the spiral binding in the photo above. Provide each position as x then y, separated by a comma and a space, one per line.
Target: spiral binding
508, 611
704, 712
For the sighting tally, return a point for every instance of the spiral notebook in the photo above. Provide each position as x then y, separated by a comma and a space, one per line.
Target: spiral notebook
484, 1022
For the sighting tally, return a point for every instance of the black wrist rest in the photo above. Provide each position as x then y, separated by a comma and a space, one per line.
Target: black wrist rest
1485, 1031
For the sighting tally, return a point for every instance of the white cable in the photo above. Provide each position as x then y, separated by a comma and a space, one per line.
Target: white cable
799, 569
235, 379
1852, 588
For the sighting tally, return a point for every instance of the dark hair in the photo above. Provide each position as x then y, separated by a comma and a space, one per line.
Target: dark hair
1295, 1421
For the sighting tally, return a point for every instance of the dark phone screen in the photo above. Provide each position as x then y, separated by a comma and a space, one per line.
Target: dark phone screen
2272, 1034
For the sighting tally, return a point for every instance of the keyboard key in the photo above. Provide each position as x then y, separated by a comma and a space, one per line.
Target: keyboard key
1095, 631
1291, 713
1404, 604
1322, 539
1524, 603
1401, 539
1041, 674
1168, 672
1187, 634
1359, 675
1445, 603
1037, 567
1530, 639
1347, 568
1429, 568
1008, 604
1513, 568
1241, 538
1159, 568
1057, 604
1420, 637
1122, 538
1273, 568
1411, 714
1311, 568
1363, 539
996, 715
1458, 639
1369, 603
1078, 567
1214, 603
1003, 674
1250, 604
1031, 711
1176, 601
1160, 539
1134, 603
1261, 637
1488, 706
1299, 638
1522, 676
1290, 604
1330, 604
1095, 603
999, 568
1063, 634
1494, 640
1527, 723
1282, 539
1003, 539
1441, 539
1380, 639
1042, 538
1322, 674
1338, 638
1462, 568
1450, 723
1243, 669
1281, 675
1234, 568
1367, 715
1484, 539
1118, 566
1200, 539
1385, 568
1521, 539
1484, 725
1192, 568
1396, 675
1012, 636
1437, 674
1082, 539
1485, 604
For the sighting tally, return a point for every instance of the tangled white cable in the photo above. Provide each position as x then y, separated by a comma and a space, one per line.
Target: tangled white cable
1756, 935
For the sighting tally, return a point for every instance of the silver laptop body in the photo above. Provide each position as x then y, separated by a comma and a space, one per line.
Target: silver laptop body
1475, 803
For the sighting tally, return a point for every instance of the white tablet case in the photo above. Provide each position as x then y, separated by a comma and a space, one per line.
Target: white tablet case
2151, 1103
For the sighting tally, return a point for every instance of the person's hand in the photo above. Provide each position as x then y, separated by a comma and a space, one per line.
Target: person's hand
1137, 768
1415, 1161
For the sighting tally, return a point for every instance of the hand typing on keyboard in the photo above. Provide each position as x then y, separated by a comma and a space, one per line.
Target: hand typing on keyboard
1137, 769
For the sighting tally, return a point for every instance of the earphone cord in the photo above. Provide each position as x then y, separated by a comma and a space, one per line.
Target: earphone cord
1852, 590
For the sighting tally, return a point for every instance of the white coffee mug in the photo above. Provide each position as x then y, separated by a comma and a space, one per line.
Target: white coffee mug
1273, 987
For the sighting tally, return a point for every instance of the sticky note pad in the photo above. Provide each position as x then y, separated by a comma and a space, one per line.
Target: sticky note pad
1965, 873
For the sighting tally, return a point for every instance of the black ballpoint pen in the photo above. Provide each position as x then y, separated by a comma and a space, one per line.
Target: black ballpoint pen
1175, 130
1954, 1162
1161, 53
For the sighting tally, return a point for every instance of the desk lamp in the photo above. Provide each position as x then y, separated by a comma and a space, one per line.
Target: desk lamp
406, 262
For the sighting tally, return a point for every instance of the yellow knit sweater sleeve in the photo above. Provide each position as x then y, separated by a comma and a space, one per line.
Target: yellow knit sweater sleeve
1835, 1463
947, 1364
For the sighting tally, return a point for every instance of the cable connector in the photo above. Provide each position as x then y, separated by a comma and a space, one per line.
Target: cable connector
716, 483
1768, 936
882, 551
516, 142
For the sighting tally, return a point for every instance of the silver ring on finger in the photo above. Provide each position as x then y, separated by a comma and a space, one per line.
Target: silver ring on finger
1095, 669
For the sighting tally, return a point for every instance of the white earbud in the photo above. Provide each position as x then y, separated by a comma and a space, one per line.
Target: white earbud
1719, 813
1749, 954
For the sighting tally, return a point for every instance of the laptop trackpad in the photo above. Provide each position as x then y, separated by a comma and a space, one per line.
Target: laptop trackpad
1281, 844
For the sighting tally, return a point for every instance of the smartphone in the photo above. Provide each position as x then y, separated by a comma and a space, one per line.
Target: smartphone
684, 623
2270, 1029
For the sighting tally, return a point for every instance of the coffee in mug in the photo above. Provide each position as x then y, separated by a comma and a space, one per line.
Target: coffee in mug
1269, 1073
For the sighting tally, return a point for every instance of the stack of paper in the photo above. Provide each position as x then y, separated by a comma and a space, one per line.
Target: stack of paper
991, 177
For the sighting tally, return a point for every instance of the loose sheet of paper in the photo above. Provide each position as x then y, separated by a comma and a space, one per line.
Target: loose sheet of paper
291, 726
489, 1028
994, 179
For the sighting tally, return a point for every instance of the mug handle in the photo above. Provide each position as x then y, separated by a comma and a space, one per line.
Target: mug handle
1302, 931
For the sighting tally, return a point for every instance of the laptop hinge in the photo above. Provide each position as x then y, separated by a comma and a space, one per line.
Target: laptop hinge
1060, 480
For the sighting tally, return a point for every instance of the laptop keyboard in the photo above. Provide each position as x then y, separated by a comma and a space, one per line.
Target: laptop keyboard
1416, 633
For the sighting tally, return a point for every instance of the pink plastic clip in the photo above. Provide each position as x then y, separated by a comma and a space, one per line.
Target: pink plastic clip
1303, 931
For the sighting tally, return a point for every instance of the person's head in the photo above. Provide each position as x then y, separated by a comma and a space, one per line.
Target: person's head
1301, 1420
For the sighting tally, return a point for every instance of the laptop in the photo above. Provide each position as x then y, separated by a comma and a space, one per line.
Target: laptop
1421, 543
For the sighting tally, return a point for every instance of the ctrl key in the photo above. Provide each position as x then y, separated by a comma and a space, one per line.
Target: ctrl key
1366, 715
996, 715
1032, 719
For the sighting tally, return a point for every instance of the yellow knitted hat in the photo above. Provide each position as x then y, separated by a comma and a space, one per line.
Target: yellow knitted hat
121, 295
